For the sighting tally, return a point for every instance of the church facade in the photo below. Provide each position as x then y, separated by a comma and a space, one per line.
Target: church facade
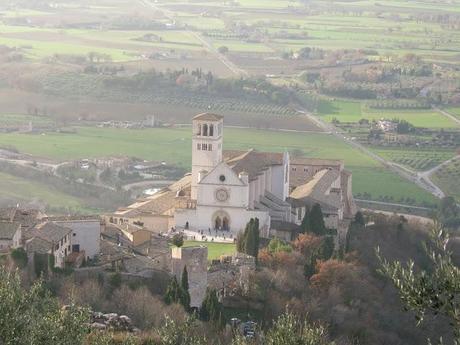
225, 189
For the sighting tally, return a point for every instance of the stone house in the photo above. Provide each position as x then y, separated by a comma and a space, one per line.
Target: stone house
52, 239
10, 236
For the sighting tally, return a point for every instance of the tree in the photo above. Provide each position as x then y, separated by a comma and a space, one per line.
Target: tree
248, 241
211, 308
34, 317
175, 333
178, 240
173, 292
223, 50
185, 300
436, 291
316, 221
251, 245
359, 219
289, 330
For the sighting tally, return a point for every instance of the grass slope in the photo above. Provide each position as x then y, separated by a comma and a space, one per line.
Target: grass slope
19, 189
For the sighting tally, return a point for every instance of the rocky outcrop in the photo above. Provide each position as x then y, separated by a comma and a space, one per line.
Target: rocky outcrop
113, 322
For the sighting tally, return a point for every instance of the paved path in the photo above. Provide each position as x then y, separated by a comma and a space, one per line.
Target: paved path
422, 181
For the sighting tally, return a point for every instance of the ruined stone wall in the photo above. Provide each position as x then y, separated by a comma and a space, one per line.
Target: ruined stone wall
196, 260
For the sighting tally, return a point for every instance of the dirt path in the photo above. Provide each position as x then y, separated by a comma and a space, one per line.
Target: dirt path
450, 116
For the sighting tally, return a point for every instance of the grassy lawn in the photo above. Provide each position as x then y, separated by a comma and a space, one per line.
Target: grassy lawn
174, 146
352, 111
215, 250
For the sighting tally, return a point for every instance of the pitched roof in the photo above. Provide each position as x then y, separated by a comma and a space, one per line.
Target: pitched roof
8, 229
208, 117
38, 245
318, 189
7, 214
159, 203
315, 161
252, 162
50, 232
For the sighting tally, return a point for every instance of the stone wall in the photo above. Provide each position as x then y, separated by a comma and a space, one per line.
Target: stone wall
196, 260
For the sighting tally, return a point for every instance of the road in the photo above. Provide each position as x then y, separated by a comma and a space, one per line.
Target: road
420, 179
221, 57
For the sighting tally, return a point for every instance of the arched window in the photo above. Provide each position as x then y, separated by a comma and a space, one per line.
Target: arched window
211, 130
205, 130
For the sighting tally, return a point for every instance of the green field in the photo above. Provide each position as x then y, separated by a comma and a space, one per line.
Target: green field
447, 178
350, 111
174, 146
18, 189
418, 160
454, 111
215, 250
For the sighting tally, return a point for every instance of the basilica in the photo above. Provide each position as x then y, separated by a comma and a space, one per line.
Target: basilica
225, 189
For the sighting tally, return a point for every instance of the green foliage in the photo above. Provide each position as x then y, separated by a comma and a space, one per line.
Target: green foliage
327, 248
174, 333
359, 219
248, 241
185, 299
178, 240
34, 317
211, 308
19, 256
435, 291
115, 280
289, 330
316, 221
175, 293
449, 213
276, 246
40, 264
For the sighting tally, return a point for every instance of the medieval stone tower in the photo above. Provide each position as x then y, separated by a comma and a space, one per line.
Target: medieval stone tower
206, 146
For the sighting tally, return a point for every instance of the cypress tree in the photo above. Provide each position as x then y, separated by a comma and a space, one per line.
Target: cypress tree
305, 223
316, 221
211, 308
185, 294
173, 292
251, 241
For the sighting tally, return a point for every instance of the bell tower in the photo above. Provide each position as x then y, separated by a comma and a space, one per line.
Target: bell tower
206, 146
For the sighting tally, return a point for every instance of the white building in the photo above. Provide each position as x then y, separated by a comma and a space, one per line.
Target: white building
228, 190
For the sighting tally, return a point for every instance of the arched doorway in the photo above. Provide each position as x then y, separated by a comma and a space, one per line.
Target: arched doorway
217, 223
225, 224
221, 220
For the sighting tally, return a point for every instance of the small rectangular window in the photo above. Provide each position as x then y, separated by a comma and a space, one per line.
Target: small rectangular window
204, 147
210, 147
198, 146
